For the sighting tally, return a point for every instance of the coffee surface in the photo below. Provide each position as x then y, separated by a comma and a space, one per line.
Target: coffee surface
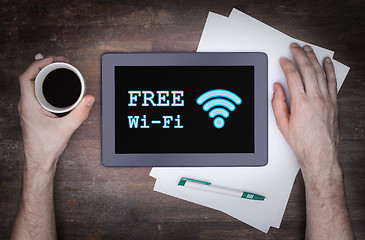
61, 88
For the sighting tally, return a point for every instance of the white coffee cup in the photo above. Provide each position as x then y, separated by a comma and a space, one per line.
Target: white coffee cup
39, 87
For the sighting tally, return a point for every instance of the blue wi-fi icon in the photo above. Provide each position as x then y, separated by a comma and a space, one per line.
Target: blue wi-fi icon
218, 102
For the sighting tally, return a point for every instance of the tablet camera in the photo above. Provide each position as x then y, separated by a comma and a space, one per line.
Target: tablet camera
219, 103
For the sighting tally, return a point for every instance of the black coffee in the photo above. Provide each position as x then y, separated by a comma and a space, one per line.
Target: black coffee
61, 88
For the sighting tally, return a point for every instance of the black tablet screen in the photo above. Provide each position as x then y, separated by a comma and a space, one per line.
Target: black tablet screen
184, 109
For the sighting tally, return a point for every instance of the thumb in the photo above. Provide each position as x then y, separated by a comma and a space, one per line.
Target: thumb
280, 108
80, 113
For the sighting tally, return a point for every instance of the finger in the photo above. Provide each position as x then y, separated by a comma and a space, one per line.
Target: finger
320, 75
61, 59
306, 69
293, 79
26, 79
331, 79
280, 108
38, 65
79, 114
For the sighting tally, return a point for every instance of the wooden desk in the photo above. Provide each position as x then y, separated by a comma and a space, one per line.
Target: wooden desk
94, 202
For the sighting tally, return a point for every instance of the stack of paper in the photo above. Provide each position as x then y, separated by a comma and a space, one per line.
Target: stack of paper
242, 33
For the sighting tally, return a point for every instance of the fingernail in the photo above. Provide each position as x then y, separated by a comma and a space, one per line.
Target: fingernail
307, 48
295, 45
90, 102
328, 60
38, 56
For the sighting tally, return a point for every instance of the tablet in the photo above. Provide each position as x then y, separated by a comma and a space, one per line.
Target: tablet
184, 109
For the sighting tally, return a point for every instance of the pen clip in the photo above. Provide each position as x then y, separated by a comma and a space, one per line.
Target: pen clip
184, 179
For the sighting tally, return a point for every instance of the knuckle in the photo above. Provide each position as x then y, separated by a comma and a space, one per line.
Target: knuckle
21, 77
321, 74
52, 58
293, 75
311, 55
302, 104
274, 104
303, 107
309, 69
20, 106
83, 117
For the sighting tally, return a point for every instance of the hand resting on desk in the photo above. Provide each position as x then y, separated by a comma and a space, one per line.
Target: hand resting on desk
310, 127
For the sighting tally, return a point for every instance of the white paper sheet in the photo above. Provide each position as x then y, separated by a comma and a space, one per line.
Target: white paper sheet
195, 196
243, 33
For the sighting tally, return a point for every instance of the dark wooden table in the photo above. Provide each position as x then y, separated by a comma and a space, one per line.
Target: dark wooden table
94, 202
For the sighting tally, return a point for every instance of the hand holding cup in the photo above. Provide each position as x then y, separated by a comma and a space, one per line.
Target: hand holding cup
45, 135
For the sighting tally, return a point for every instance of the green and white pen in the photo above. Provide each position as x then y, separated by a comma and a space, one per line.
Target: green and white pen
207, 186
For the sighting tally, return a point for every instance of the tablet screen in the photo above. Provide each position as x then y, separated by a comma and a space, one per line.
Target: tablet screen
184, 109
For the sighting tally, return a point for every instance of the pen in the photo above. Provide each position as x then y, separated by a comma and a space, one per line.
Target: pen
207, 186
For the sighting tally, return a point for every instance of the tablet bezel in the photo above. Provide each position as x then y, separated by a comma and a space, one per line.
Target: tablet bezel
256, 59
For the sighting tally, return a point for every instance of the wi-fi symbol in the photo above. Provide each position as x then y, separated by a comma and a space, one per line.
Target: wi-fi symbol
218, 102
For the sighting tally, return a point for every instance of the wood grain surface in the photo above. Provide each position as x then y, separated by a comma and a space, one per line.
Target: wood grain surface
94, 202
